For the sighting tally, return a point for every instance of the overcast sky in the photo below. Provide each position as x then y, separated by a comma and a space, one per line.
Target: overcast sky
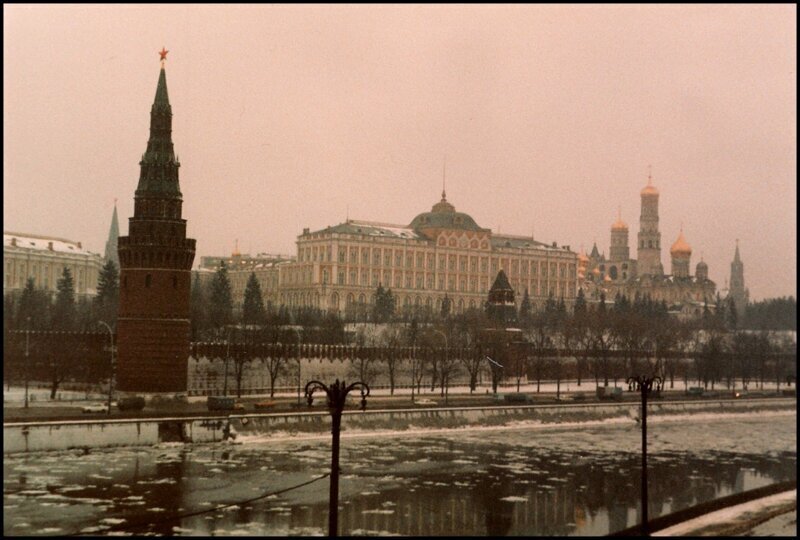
286, 116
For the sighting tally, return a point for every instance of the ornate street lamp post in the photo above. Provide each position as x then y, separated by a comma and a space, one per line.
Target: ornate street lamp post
644, 385
27, 364
337, 396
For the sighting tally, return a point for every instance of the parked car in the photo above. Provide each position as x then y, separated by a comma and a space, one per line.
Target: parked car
580, 396
265, 404
96, 408
223, 403
425, 402
609, 392
696, 391
134, 403
517, 397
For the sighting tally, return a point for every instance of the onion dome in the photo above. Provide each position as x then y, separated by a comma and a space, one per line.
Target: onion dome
649, 189
680, 247
607, 278
596, 271
702, 266
582, 258
619, 225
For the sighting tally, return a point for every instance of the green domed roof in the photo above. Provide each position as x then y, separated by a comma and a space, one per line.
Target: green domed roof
443, 215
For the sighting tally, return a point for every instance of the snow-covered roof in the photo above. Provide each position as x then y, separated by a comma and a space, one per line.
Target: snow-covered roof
12, 240
369, 228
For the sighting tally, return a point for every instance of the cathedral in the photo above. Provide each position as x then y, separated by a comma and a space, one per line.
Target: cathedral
684, 293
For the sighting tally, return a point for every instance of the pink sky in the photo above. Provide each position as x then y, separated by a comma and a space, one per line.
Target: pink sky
285, 116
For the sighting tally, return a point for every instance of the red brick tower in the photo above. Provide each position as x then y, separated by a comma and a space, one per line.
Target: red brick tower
155, 266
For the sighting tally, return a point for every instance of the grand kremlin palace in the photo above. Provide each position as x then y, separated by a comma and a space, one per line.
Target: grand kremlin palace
441, 252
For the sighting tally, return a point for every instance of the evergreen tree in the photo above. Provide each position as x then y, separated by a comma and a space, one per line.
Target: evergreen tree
731, 316
580, 302
33, 303
253, 311
64, 308
221, 301
445, 307
384, 305
199, 309
525, 308
107, 300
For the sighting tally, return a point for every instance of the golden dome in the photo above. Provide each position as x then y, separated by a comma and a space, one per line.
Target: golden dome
619, 225
680, 247
649, 189
607, 278
596, 271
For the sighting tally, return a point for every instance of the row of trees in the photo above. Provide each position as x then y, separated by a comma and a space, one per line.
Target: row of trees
64, 347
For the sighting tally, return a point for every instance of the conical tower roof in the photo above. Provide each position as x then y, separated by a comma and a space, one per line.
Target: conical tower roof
158, 175
501, 282
111, 253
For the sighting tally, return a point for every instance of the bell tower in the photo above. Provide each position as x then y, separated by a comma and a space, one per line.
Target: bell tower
649, 246
155, 268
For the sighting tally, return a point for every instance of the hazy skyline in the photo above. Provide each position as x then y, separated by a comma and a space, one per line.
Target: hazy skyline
287, 117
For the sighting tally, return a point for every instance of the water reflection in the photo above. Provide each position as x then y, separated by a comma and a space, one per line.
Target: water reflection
507, 483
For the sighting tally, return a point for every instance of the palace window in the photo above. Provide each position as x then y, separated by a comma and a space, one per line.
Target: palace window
430, 281
462, 264
365, 256
409, 260
353, 255
353, 277
484, 265
452, 263
420, 260
473, 264
341, 254
408, 281
420, 282
430, 261
441, 283
451, 283
364, 278
441, 262
325, 277
387, 258
341, 278
398, 258
376, 257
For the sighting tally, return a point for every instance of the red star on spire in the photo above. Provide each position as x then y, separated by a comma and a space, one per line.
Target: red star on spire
163, 52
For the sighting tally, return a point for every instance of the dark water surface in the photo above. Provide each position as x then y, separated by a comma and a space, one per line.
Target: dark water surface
553, 481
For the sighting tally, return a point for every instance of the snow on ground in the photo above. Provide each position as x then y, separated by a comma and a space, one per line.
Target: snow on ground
741, 513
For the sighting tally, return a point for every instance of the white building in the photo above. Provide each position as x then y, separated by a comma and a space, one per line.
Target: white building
43, 258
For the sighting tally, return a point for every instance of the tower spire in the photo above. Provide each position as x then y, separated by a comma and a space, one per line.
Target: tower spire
444, 174
159, 168
649, 175
111, 253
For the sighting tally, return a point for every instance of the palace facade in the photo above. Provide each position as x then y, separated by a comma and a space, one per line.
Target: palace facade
440, 253
44, 258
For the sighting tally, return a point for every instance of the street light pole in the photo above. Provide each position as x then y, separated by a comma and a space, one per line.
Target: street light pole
227, 357
337, 397
299, 381
111, 374
445, 363
27, 364
644, 385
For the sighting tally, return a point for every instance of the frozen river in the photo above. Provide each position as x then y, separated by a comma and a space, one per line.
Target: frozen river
516, 481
